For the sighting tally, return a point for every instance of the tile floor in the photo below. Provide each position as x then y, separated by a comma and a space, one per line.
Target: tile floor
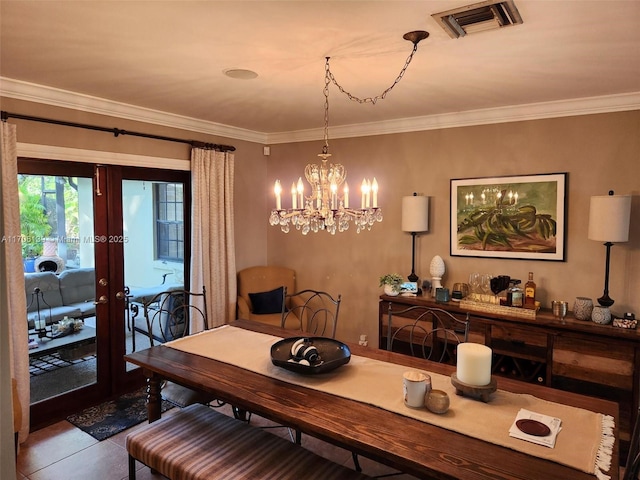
64, 452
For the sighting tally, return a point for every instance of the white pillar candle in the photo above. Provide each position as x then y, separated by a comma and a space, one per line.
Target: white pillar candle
474, 364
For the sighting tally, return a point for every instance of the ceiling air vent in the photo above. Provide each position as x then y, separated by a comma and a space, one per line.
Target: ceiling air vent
478, 17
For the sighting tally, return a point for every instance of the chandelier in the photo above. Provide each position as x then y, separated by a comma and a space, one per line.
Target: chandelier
328, 206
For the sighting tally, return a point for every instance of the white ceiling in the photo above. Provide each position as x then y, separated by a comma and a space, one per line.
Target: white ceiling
170, 56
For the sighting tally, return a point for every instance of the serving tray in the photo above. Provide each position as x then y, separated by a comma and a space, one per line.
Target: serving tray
332, 353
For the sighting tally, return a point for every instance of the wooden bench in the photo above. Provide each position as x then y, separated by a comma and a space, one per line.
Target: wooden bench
200, 443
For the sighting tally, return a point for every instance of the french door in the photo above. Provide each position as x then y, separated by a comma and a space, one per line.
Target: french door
116, 231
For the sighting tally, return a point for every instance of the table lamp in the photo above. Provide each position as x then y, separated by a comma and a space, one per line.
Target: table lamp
415, 219
609, 217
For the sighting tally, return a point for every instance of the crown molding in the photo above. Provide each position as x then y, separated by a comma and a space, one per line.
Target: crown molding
514, 113
32, 92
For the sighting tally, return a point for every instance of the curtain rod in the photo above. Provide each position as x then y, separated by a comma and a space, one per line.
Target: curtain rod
117, 132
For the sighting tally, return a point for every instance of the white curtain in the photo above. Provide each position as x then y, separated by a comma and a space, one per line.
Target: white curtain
213, 260
13, 307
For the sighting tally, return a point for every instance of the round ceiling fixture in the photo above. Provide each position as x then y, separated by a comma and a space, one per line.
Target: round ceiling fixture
240, 73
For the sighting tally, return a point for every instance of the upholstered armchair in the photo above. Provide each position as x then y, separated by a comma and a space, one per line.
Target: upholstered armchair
260, 295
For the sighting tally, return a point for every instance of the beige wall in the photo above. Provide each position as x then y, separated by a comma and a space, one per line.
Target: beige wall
599, 152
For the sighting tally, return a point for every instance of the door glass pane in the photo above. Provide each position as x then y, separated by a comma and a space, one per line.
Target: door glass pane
153, 250
57, 237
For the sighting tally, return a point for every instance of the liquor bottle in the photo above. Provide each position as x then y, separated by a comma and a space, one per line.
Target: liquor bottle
530, 293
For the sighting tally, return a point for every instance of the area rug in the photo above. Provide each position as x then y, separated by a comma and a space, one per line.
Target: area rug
114, 416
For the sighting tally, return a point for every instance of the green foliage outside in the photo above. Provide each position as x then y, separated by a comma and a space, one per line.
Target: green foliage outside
34, 224
38, 221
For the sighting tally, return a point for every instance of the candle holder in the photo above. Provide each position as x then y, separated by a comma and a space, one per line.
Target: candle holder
40, 323
482, 392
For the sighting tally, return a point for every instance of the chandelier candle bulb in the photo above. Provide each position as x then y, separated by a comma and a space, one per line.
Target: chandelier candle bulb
300, 189
334, 196
474, 364
277, 189
367, 193
363, 188
374, 189
294, 196
346, 195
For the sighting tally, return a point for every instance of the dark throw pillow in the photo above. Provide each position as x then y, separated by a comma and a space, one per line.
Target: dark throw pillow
267, 302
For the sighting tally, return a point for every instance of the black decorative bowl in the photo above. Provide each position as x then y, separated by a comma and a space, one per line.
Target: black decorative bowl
332, 354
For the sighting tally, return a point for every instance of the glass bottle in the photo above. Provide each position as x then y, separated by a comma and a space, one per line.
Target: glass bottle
530, 293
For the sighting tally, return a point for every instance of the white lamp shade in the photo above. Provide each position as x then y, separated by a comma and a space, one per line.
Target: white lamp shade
609, 217
415, 213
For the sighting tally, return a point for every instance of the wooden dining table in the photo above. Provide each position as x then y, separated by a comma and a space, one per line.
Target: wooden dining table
407, 444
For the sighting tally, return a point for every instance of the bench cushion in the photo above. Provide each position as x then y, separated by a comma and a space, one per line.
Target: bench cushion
200, 443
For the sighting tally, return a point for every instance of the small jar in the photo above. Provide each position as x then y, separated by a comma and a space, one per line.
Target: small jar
437, 401
515, 294
582, 308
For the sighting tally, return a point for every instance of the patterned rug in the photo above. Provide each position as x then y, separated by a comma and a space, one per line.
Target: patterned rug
114, 416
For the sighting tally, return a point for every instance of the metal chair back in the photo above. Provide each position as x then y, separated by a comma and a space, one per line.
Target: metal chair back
168, 315
431, 333
311, 311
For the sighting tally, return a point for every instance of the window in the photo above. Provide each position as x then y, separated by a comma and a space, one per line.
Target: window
169, 221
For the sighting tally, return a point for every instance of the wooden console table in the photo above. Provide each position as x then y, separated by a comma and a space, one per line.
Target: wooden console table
579, 356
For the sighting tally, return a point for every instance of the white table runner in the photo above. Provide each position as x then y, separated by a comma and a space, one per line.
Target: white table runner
585, 442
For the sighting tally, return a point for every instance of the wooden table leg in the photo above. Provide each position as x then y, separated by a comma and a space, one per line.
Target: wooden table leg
154, 398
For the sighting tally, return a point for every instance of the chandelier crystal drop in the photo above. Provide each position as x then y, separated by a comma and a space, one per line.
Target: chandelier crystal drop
328, 207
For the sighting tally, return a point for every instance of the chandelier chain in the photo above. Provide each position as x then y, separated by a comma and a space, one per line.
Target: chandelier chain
327, 82
371, 100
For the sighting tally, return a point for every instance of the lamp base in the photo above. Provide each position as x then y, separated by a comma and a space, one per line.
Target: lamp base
605, 300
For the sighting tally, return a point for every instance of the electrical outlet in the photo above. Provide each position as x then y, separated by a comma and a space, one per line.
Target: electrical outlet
363, 340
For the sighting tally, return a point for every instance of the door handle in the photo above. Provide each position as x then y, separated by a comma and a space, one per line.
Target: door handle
120, 295
102, 299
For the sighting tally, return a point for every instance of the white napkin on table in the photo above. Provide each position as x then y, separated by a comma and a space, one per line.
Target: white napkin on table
552, 422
